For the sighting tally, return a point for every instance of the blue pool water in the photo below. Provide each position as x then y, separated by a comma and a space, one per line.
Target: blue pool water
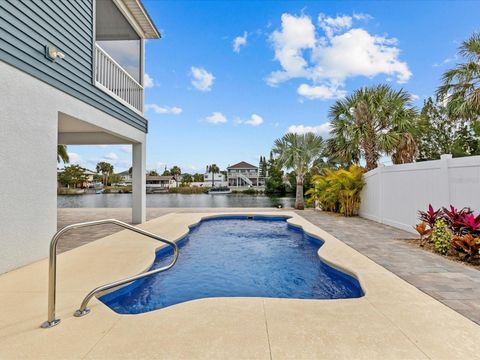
237, 257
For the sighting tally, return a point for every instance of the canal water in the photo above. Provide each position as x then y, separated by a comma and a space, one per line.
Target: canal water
173, 201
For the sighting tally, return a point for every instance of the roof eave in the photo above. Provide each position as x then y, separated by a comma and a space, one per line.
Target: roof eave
136, 12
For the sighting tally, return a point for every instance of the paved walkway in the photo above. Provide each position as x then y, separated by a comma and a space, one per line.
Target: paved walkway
454, 284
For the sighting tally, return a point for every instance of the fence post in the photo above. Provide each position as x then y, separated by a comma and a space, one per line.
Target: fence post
444, 180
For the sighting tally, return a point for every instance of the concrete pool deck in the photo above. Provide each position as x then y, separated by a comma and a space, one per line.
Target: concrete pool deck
394, 320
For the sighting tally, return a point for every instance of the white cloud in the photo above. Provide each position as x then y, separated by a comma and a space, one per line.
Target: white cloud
202, 79
74, 158
328, 61
414, 97
357, 53
323, 130
102, 146
254, 120
240, 41
148, 81
333, 25
322, 92
297, 34
175, 110
216, 118
111, 156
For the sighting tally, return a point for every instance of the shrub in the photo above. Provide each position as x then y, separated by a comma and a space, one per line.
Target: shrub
455, 218
423, 231
471, 224
338, 190
441, 237
467, 246
430, 216
188, 190
250, 191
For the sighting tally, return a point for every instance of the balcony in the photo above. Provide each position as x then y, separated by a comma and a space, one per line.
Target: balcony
121, 26
116, 81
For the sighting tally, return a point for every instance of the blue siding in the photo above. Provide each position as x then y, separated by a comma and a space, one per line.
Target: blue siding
27, 26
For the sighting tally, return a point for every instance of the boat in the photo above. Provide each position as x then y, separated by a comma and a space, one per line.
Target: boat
100, 191
220, 190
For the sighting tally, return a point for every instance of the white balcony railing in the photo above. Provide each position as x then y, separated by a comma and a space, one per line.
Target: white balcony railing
113, 79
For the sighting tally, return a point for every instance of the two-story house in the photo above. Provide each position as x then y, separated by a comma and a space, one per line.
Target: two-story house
244, 175
71, 72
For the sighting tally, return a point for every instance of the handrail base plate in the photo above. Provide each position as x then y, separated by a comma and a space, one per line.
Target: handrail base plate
80, 313
48, 324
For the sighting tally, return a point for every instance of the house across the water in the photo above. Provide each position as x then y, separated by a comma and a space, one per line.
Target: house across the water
244, 175
158, 183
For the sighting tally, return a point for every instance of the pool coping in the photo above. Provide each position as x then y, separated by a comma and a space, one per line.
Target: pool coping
409, 323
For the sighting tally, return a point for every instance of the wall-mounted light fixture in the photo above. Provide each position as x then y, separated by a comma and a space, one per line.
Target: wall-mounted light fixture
52, 53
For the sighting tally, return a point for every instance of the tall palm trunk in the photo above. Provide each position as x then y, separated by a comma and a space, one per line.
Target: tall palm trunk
371, 156
299, 200
213, 179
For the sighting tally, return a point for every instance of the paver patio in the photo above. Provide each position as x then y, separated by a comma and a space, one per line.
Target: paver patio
454, 284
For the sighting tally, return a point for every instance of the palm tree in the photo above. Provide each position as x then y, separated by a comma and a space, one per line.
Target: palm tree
461, 85
62, 154
298, 152
406, 150
106, 169
213, 169
175, 171
370, 122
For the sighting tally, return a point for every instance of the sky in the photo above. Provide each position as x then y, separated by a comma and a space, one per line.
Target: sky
227, 78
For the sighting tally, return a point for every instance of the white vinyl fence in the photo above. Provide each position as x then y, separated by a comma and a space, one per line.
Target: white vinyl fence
394, 194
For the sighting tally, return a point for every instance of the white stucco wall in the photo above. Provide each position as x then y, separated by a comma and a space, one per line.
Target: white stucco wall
394, 194
29, 111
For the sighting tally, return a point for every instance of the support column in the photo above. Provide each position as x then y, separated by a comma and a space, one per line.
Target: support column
138, 183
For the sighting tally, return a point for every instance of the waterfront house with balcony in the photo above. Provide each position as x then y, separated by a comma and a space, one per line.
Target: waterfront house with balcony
72, 72
244, 175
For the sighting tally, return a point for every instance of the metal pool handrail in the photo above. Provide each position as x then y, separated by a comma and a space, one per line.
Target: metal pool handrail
52, 267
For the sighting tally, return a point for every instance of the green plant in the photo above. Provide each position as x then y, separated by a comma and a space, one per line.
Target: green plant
461, 85
188, 190
338, 190
213, 169
298, 153
106, 169
441, 237
72, 175
275, 183
250, 191
373, 121
62, 154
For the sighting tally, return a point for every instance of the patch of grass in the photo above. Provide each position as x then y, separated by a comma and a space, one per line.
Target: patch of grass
188, 190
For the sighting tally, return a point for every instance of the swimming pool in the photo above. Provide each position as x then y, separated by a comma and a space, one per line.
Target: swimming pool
237, 256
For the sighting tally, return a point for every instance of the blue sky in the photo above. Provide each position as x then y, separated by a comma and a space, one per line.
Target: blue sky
209, 101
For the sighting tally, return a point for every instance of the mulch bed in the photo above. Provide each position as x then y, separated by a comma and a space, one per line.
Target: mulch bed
429, 247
